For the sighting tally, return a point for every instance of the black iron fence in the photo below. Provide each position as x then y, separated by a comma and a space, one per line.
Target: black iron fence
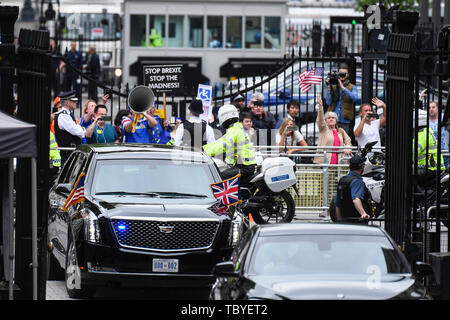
335, 39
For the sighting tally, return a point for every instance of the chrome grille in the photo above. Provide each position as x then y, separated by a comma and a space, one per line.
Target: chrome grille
147, 234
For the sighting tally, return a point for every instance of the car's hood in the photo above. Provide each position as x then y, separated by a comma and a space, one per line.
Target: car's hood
203, 210
345, 289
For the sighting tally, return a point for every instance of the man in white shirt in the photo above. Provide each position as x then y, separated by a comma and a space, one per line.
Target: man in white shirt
67, 132
367, 127
194, 132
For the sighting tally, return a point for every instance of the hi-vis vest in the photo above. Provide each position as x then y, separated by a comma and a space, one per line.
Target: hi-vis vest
236, 146
431, 160
55, 157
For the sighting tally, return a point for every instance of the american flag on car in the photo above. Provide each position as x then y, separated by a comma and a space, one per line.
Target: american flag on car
308, 78
77, 193
228, 191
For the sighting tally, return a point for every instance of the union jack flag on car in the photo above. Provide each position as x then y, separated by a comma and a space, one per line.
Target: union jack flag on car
228, 191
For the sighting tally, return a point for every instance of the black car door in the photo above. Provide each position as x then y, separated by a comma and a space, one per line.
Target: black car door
58, 218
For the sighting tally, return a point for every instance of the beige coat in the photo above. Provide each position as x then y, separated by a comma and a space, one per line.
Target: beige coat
326, 138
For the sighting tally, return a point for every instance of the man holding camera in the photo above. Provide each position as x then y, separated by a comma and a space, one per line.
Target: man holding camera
100, 131
261, 119
367, 128
340, 97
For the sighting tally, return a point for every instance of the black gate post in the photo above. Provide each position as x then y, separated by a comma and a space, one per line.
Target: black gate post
367, 63
316, 36
401, 69
34, 94
8, 17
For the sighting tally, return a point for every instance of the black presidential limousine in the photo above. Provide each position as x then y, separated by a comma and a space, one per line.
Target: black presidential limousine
149, 218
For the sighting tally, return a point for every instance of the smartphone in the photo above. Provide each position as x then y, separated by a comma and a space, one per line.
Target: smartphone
373, 115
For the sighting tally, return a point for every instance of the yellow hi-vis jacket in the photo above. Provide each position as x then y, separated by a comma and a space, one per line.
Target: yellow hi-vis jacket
236, 146
431, 160
55, 157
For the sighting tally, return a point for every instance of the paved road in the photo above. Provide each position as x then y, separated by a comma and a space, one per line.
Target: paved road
56, 290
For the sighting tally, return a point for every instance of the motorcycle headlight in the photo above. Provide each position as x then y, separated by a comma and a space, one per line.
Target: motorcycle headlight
91, 226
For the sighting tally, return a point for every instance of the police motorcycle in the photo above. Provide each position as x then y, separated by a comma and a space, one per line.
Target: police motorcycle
265, 195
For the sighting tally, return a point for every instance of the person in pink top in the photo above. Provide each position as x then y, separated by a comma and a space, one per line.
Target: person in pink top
331, 135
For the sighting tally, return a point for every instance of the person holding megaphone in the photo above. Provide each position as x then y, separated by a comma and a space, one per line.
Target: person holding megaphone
136, 127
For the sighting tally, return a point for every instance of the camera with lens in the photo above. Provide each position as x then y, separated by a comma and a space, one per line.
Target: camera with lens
333, 78
108, 92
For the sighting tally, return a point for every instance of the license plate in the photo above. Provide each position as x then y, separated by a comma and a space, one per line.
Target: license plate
165, 265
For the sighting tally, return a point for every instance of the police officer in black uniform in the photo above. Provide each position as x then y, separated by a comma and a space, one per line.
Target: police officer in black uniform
352, 195
67, 132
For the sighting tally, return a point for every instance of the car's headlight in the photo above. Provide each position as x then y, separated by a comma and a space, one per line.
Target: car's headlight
235, 230
91, 226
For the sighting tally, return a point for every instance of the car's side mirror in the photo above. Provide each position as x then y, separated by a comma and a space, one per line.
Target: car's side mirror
224, 269
423, 269
64, 187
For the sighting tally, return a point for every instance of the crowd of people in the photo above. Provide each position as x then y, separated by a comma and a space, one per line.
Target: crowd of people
237, 127
336, 123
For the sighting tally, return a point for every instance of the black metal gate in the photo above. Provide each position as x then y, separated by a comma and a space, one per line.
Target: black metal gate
416, 200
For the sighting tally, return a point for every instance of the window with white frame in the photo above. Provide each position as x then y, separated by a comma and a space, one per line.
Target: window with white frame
233, 32
272, 33
137, 30
176, 31
252, 32
195, 25
156, 33
214, 31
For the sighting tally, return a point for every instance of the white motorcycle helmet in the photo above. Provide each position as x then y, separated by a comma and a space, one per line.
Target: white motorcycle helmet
227, 112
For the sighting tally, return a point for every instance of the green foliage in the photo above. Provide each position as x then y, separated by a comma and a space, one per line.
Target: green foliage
404, 4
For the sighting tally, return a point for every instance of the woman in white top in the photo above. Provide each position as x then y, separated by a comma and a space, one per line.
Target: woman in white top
291, 138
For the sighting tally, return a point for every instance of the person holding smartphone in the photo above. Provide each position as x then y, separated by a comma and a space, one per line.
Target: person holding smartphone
100, 131
367, 128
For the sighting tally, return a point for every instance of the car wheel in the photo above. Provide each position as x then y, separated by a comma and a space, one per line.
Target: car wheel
54, 270
75, 288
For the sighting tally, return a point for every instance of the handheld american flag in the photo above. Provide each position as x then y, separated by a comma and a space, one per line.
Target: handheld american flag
77, 194
308, 78
228, 191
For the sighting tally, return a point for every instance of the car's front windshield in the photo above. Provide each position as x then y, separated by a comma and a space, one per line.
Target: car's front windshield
152, 178
316, 256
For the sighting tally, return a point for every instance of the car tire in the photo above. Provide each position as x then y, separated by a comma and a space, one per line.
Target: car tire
74, 285
54, 270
